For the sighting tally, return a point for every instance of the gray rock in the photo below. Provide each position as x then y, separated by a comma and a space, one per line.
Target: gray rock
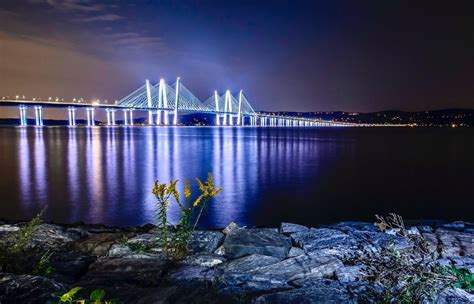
70, 266
8, 228
349, 274
241, 284
193, 276
28, 289
172, 294
454, 244
99, 244
458, 225
354, 226
111, 272
231, 227
147, 240
248, 263
124, 251
295, 251
206, 241
50, 237
425, 228
329, 241
289, 228
374, 242
454, 295
319, 291
256, 241
220, 250
204, 260
312, 265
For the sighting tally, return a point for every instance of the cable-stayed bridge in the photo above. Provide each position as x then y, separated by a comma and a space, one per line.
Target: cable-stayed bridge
163, 104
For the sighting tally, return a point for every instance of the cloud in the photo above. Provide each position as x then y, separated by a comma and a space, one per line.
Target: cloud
105, 17
75, 5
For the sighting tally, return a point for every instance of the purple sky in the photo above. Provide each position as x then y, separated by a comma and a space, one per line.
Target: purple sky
286, 55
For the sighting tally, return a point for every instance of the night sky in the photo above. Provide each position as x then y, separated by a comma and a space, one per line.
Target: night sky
286, 55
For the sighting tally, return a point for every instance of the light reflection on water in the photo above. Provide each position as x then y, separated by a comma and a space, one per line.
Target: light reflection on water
310, 176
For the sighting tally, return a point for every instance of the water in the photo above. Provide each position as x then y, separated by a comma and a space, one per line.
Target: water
309, 176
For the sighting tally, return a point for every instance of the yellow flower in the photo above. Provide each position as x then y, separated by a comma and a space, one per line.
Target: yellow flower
187, 189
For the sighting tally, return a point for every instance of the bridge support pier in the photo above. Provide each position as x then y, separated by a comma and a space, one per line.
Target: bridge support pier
90, 112
72, 116
125, 117
150, 118
131, 117
217, 120
23, 116
110, 117
39, 116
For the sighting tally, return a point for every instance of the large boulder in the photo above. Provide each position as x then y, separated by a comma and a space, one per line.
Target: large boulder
206, 241
319, 291
115, 272
99, 244
453, 295
289, 228
454, 243
193, 276
28, 289
70, 266
204, 260
327, 241
312, 265
248, 263
243, 242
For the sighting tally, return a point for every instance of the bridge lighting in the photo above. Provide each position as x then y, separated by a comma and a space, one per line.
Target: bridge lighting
16, 98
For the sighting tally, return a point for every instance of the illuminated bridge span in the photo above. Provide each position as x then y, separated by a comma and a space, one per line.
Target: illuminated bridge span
164, 103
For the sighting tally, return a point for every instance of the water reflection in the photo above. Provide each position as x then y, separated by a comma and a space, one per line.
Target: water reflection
106, 174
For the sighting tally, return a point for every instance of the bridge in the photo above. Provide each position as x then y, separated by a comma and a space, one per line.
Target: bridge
164, 103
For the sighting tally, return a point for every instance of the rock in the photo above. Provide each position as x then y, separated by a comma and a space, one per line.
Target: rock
375, 242
353, 226
193, 276
99, 244
424, 229
145, 240
80, 232
220, 250
454, 244
295, 251
70, 266
8, 228
248, 263
206, 241
124, 251
458, 225
349, 274
242, 284
329, 241
319, 291
50, 237
28, 289
256, 241
204, 260
363, 292
312, 265
171, 294
289, 228
231, 227
116, 272
453, 295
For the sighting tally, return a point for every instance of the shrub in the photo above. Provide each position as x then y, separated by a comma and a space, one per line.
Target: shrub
13, 256
414, 275
175, 245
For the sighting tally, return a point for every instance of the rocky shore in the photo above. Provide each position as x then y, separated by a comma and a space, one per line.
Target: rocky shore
288, 264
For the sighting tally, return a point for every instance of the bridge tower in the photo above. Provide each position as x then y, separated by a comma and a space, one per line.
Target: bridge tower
72, 116
148, 97
175, 116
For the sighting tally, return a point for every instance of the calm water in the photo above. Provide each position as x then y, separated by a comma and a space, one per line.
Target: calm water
310, 176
